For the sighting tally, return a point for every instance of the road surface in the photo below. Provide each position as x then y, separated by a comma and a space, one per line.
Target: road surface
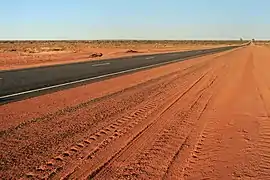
206, 118
19, 84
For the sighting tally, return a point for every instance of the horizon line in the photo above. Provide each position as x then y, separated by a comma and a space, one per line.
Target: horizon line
1, 40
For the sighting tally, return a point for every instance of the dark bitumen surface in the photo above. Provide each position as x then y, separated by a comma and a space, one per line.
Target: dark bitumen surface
13, 82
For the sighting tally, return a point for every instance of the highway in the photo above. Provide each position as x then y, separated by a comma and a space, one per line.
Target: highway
24, 83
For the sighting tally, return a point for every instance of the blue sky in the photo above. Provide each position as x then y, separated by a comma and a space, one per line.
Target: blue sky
139, 19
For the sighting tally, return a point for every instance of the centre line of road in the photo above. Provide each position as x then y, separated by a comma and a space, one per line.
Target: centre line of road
87, 79
102, 64
152, 57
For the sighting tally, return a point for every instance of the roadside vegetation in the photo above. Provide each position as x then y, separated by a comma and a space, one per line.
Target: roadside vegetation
77, 46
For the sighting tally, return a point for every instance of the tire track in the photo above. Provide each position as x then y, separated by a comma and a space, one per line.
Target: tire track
166, 147
199, 152
85, 172
191, 149
196, 151
198, 133
264, 149
169, 143
209, 159
264, 142
79, 152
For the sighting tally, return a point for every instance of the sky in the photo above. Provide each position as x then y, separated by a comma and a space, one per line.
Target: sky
134, 19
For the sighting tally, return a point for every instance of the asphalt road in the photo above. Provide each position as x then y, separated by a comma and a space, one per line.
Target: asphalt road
24, 83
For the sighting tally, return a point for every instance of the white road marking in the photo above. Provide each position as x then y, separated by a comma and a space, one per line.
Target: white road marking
97, 77
102, 64
152, 57
87, 79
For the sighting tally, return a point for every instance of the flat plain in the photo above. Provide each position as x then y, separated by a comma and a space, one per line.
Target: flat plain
205, 118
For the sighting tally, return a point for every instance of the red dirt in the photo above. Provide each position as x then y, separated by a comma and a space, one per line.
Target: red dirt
206, 118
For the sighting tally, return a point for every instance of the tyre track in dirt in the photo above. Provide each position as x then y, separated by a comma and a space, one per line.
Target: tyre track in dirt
76, 176
61, 148
145, 125
263, 144
155, 121
163, 149
57, 160
190, 149
264, 147
234, 141
206, 158
164, 84
193, 147
167, 143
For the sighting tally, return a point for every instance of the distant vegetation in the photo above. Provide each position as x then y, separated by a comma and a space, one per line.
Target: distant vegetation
128, 41
76, 45
260, 42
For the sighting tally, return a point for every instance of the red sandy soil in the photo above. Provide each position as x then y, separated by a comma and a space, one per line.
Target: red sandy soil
17, 60
206, 118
